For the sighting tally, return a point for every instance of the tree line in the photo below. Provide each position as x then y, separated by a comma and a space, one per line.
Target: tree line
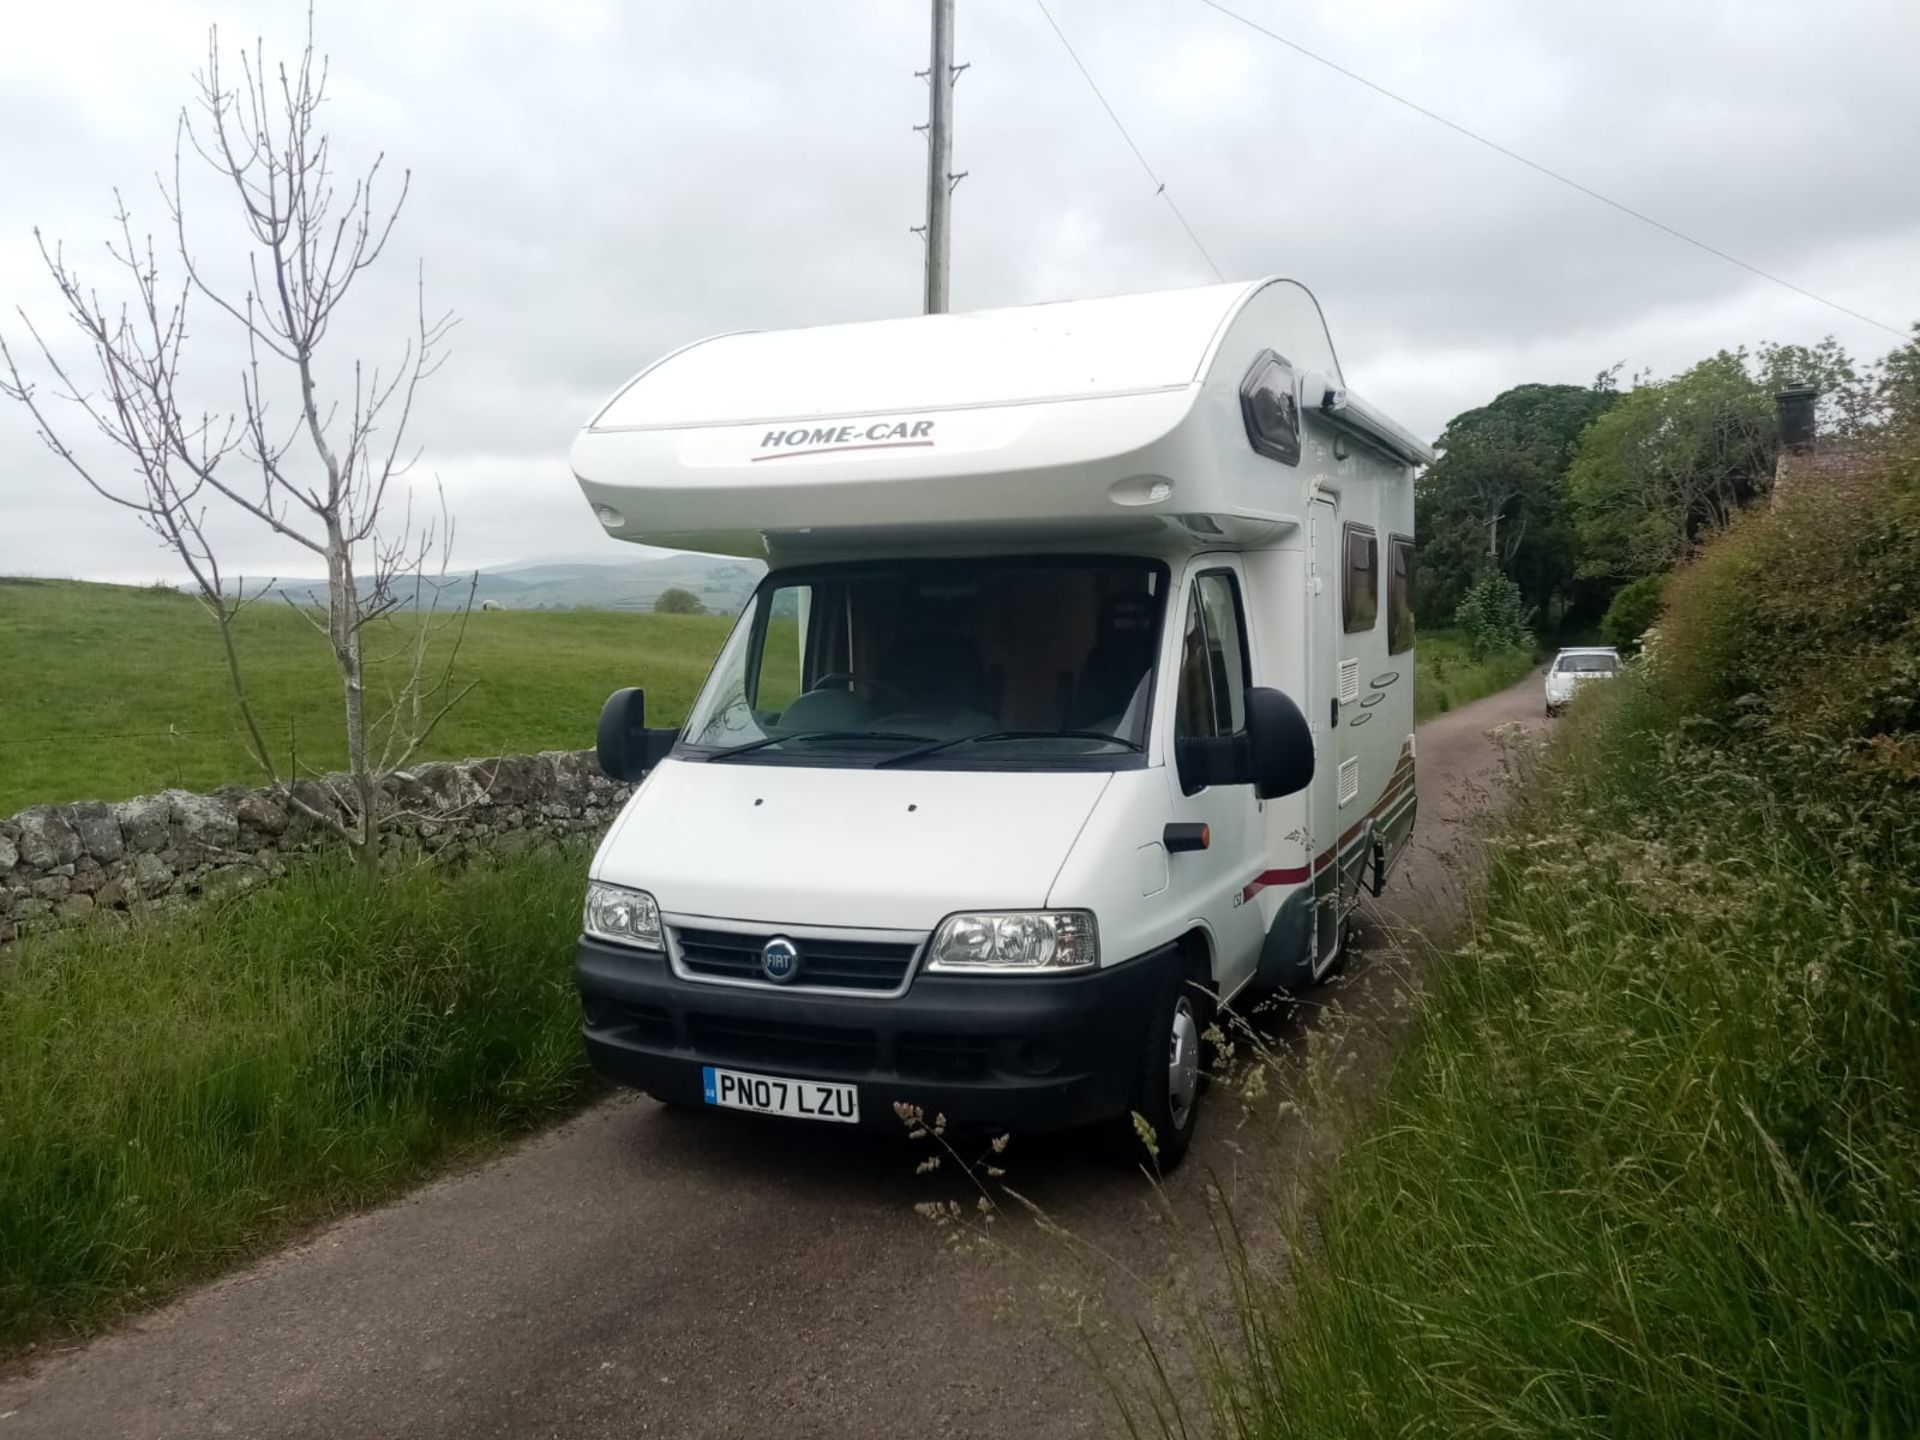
1557, 501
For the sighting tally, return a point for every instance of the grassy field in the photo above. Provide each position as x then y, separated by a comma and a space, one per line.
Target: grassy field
129, 692
115, 691
1652, 1165
177, 1097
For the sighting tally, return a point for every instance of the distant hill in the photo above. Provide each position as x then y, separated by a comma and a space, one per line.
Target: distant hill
722, 583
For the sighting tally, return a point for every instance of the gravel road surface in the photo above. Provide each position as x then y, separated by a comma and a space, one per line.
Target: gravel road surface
641, 1271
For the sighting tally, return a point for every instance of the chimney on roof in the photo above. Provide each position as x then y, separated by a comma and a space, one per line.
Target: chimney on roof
1794, 411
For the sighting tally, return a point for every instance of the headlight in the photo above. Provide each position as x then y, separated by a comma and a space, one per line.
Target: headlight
628, 916
1016, 940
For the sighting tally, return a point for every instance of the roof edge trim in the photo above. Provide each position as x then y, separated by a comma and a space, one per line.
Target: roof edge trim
736, 421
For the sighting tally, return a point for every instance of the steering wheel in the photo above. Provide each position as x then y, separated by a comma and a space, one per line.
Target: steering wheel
854, 680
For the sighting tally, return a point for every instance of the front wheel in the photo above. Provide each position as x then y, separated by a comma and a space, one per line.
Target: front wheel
1159, 1124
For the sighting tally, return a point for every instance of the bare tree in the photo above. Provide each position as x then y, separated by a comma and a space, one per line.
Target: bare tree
322, 474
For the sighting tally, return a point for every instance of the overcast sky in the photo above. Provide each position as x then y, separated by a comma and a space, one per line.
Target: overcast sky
595, 184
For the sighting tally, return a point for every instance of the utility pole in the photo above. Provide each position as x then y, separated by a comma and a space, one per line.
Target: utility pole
941, 73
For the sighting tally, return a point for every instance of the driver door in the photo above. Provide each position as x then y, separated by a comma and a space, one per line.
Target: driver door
1213, 671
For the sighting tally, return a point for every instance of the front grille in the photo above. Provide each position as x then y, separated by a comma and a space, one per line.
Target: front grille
875, 965
779, 1042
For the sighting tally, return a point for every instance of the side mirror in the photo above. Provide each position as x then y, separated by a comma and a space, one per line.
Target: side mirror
1280, 742
626, 748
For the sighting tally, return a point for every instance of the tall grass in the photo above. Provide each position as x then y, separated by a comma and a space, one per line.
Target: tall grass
1652, 1165
176, 1096
1447, 675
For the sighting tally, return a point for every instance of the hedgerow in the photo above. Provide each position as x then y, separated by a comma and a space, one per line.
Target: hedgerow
1651, 1166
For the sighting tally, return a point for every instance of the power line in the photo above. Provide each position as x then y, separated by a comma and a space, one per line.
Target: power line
1160, 186
1550, 173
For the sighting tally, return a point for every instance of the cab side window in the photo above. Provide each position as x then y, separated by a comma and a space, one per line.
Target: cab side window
1214, 668
1360, 579
776, 664
1194, 714
1399, 594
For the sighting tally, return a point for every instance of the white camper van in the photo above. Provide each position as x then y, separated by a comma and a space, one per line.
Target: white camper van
1077, 701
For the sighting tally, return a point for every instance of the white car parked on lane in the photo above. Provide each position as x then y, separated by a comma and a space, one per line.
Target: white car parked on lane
1573, 668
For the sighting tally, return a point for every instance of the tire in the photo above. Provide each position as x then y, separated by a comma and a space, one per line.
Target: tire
1170, 1077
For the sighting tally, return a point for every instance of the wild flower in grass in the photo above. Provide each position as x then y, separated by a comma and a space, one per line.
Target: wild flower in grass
1253, 1089
1144, 1129
975, 1171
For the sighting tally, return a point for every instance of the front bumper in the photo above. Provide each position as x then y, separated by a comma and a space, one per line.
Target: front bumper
1017, 1052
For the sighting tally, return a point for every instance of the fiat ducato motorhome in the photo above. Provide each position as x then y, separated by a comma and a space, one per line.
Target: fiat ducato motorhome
1076, 702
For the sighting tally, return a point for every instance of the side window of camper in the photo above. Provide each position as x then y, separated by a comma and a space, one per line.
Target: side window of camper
1360, 579
1399, 594
1213, 661
1270, 407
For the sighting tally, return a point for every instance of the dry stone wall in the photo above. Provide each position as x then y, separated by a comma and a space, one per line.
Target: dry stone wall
61, 864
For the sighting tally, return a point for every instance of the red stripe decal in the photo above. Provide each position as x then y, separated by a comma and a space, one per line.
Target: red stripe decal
1399, 786
1272, 877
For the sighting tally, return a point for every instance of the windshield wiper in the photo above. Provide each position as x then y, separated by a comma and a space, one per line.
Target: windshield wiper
733, 750
908, 756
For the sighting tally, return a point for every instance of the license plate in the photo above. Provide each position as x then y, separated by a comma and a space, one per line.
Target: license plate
771, 1095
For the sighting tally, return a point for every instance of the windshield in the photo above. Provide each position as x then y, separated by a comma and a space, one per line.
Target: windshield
1588, 664
967, 663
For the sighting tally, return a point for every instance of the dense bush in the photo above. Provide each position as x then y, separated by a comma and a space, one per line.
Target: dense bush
1493, 616
676, 601
1631, 613
176, 1095
1804, 621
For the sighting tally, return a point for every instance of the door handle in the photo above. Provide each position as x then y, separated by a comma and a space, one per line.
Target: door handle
1333, 717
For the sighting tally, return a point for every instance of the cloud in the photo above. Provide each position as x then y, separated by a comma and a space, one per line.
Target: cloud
595, 184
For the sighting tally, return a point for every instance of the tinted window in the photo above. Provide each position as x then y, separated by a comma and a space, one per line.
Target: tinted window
1399, 594
1588, 664
882, 657
1271, 409
1213, 661
1360, 583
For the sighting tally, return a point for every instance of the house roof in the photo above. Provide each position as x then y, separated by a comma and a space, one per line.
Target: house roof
1827, 463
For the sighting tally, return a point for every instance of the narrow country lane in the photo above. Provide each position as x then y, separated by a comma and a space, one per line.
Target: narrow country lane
641, 1271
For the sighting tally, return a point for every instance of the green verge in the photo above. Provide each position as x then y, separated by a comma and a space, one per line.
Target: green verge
1651, 1165
1446, 675
177, 1096
1650, 1168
